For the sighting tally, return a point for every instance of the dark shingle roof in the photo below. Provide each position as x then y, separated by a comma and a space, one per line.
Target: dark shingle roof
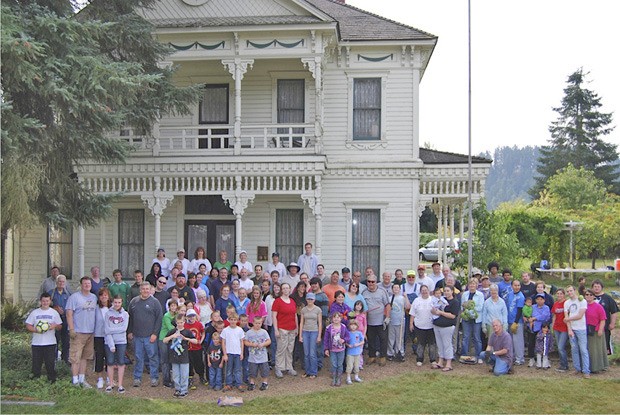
357, 25
442, 157
233, 21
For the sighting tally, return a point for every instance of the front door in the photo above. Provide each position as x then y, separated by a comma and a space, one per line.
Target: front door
213, 235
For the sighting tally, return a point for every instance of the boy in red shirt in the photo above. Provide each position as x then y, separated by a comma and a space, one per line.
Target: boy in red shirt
195, 350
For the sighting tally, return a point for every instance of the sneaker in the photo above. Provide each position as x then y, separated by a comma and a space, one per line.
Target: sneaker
349, 381
418, 364
252, 386
480, 361
358, 379
531, 363
227, 388
168, 384
292, 372
401, 358
263, 386
241, 388
109, 389
182, 395
217, 388
390, 358
176, 394
100, 383
86, 385
518, 363
204, 381
121, 389
137, 383
192, 387
561, 369
154, 383
279, 374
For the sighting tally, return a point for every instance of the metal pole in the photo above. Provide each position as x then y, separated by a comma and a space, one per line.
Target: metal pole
470, 229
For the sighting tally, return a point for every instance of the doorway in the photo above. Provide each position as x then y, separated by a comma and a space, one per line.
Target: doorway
213, 235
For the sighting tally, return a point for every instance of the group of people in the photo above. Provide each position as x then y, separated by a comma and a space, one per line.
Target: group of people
231, 324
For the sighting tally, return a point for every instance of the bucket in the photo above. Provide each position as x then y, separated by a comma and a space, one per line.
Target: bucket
617, 264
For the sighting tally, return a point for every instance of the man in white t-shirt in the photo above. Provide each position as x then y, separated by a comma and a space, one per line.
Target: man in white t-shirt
276, 265
244, 263
244, 281
423, 279
575, 319
42, 323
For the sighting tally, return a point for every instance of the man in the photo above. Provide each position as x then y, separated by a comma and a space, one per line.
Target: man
308, 262
357, 278
274, 277
506, 284
575, 319
436, 276
472, 323
119, 287
49, 283
333, 286
245, 282
223, 262
494, 277
134, 290
368, 272
423, 279
217, 284
60, 296
244, 263
611, 311
161, 294
292, 278
346, 279
276, 265
172, 279
528, 288
447, 273
81, 308
185, 292
320, 273
181, 258
378, 318
386, 282
96, 282
258, 274
499, 350
514, 303
451, 282
145, 317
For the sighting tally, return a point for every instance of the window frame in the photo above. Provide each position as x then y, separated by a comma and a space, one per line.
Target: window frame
50, 243
128, 273
366, 143
300, 250
381, 208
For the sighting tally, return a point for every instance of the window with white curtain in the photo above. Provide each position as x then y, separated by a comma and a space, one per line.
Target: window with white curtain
367, 109
60, 250
366, 239
130, 240
289, 234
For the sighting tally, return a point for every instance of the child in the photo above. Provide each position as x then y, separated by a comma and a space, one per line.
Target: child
527, 313
362, 324
256, 341
336, 335
42, 323
195, 350
438, 302
115, 327
210, 327
230, 309
232, 353
245, 366
167, 324
355, 348
544, 345
396, 325
215, 362
178, 355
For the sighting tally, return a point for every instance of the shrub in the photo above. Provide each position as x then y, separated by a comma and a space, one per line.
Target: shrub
14, 314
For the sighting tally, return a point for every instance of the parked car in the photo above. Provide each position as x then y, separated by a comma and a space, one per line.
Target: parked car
430, 252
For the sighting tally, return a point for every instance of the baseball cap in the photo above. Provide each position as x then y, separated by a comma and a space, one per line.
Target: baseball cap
310, 296
243, 251
346, 269
476, 271
539, 295
435, 263
181, 250
191, 312
411, 272
275, 254
421, 267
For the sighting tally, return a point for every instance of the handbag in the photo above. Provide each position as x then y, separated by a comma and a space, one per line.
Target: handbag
591, 330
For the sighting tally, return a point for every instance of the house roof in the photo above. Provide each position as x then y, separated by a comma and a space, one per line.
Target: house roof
359, 25
232, 21
442, 157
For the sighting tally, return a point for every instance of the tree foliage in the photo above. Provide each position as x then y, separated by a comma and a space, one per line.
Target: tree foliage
576, 137
67, 81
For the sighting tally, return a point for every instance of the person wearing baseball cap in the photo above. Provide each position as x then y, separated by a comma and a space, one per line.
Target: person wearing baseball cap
423, 279
276, 265
181, 258
346, 279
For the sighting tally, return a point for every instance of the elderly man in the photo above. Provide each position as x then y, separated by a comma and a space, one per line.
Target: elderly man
307, 261
145, 317
378, 318
96, 282
346, 279
436, 275
81, 308
244, 281
386, 282
60, 296
499, 350
292, 278
357, 278
49, 283
243, 263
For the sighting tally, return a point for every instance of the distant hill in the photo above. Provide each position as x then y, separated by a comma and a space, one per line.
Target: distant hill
511, 175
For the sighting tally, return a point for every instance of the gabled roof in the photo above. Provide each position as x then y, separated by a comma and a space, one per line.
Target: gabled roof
359, 25
442, 157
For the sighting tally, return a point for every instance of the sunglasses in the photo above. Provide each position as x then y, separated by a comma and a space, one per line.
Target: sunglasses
371, 282
161, 282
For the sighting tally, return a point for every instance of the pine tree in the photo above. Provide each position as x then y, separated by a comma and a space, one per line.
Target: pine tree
576, 137
69, 79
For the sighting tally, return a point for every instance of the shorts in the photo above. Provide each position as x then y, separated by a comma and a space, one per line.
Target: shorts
255, 367
81, 348
116, 358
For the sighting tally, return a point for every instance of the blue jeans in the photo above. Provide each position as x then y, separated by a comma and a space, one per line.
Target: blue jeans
234, 371
215, 377
144, 347
499, 366
561, 337
471, 328
180, 374
310, 358
337, 360
245, 366
163, 360
273, 346
579, 350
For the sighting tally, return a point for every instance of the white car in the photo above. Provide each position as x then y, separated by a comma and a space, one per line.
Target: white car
430, 252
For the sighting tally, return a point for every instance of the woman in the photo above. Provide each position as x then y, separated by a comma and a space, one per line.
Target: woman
472, 302
194, 283
256, 306
421, 323
243, 301
540, 289
595, 320
204, 306
154, 274
339, 306
274, 293
265, 289
235, 285
103, 306
299, 296
310, 327
174, 295
494, 308
200, 257
284, 315
303, 277
560, 330
163, 262
353, 295
443, 328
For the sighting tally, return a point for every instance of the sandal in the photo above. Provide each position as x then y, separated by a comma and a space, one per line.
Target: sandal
436, 366
446, 369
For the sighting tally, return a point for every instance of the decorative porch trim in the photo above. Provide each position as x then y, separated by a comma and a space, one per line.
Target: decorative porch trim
274, 43
197, 45
375, 59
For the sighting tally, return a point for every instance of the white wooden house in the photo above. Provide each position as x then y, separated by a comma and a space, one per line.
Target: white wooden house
308, 131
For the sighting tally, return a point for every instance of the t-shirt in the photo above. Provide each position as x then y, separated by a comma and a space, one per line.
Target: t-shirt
233, 337
503, 341
421, 311
330, 291
336, 344
397, 314
257, 354
572, 307
287, 313
453, 307
84, 307
215, 354
513, 303
355, 337
49, 316
558, 311
376, 301
197, 330
311, 318
609, 305
178, 351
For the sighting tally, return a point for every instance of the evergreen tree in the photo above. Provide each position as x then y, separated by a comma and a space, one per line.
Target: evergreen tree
576, 137
68, 80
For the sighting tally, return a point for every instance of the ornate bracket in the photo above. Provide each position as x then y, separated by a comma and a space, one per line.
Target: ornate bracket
312, 64
238, 201
238, 66
365, 145
313, 201
157, 203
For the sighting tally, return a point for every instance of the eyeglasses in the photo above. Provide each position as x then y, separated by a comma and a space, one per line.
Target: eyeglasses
161, 282
589, 295
371, 282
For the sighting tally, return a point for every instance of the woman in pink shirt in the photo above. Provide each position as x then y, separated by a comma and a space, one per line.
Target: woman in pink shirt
595, 321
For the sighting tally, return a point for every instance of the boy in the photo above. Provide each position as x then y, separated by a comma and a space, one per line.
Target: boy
42, 323
244, 324
215, 362
229, 309
527, 313
257, 340
355, 347
195, 350
232, 353
119, 287
178, 355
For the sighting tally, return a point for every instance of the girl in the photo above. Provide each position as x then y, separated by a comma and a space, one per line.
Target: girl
362, 323
275, 293
103, 305
339, 306
544, 345
334, 343
243, 301
256, 306
116, 322
265, 288
310, 328
154, 274
167, 324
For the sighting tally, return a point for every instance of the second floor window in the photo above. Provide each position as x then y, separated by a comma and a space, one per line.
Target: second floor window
367, 109
213, 110
60, 250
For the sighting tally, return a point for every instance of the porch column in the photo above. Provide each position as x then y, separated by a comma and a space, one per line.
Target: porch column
462, 224
444, 244
451, 211
237, 68
238, 202
102, 248
81, 251
314, 66
157, 203
314, 202
416, 63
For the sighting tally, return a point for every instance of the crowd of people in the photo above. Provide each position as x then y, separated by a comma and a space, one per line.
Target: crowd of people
231, 325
